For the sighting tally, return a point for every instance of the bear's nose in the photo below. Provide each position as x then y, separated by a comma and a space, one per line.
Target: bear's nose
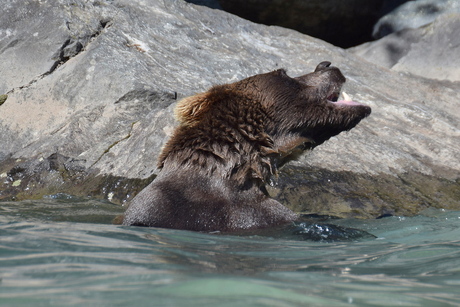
323, 65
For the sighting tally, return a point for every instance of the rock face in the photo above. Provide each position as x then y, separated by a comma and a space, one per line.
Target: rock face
91, 86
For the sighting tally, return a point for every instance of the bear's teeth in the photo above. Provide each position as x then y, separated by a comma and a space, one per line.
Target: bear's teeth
346, 97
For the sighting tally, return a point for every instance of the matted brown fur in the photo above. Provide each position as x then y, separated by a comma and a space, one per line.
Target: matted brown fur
213, 133
231, 140
189, 110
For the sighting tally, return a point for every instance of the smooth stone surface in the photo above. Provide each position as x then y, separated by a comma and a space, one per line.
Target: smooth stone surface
430, 51
413, 15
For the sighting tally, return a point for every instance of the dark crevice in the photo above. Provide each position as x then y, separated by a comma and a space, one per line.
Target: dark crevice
71, 47
60, 57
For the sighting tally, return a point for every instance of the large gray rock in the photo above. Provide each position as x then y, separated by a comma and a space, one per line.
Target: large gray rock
413, 15
91, 86
431, 51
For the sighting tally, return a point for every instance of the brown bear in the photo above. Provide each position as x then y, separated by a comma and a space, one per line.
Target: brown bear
231, 140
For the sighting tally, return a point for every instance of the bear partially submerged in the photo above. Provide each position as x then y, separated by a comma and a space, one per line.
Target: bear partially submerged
231, 140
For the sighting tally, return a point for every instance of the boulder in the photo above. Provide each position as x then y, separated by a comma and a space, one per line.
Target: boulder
413, 15
430, 51
89, 87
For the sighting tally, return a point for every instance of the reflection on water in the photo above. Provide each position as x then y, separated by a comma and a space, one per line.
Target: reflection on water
49, 257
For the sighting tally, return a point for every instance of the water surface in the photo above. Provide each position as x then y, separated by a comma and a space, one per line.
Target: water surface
65, 252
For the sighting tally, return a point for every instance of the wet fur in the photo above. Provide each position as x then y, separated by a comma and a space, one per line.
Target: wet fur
231, 140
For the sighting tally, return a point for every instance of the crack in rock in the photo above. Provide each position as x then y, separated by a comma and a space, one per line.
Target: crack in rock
69, 49
114, 144
73, 47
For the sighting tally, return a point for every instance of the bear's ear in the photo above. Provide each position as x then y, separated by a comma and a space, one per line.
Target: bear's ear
189, 110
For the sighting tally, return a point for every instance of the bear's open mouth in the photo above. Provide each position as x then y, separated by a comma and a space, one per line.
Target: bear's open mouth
346, 101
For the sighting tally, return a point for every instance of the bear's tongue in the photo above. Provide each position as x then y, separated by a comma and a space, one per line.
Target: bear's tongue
347, 101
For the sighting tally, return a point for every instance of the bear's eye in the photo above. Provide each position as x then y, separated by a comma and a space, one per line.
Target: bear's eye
333, 97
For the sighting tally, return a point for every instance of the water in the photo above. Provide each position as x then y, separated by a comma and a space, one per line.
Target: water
65, 252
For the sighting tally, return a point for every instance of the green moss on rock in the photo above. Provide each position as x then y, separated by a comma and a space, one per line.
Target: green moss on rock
3, 98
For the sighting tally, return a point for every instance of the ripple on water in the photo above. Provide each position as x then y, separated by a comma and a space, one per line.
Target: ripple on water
412, 262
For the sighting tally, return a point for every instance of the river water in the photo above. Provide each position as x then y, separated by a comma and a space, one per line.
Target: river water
62, 251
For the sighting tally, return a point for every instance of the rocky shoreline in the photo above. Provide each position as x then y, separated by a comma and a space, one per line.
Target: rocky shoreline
88, 89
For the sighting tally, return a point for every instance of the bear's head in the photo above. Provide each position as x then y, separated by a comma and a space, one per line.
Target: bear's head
306, 108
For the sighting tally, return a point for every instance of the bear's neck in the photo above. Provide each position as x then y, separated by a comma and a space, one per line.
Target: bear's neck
232, 151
